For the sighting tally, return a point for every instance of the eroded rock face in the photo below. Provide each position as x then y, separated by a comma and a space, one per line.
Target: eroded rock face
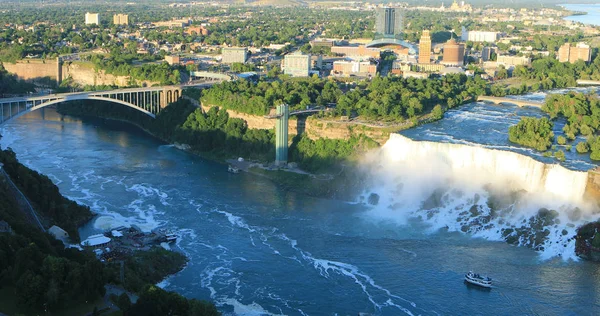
373, 199
587, 241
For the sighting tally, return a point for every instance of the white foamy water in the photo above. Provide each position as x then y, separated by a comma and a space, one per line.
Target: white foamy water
488, 193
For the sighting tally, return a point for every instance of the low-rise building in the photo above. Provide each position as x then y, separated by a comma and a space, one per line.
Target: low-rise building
199, 30
172, 59
348, 67
356, 51
513, 60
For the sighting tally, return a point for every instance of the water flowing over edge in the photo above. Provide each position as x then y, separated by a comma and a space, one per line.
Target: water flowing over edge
488, 193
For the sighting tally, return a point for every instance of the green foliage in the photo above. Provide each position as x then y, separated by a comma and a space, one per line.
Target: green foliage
532, 132
379, 99
121, 65
437, 113
154, 301
214, 131
150, 267
44, 196
560, 155
549, 73
10, 84
240, 67
322, 154
41, 270
582, 147
561, 140
596, 240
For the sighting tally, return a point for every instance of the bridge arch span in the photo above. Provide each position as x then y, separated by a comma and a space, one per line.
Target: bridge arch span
95, 98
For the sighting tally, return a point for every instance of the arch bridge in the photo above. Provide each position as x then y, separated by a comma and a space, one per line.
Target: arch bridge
519, 103
146, 100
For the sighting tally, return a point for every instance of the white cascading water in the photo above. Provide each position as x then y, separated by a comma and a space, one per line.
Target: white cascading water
498, 195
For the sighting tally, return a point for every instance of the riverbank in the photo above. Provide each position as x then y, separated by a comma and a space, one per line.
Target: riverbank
46, 275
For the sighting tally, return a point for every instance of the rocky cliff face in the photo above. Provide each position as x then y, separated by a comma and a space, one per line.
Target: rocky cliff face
313, 127
82, 73
33, 69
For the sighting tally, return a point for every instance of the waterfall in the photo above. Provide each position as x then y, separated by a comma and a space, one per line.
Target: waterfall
488, 193
477, 163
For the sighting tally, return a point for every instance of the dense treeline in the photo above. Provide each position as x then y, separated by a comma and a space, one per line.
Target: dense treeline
10, 84
247, 97
41, 271
44, 196
549, 73
582, 112
322, 154
214, 131
154, 301
532, 132
395, 98
389, 98
122, 66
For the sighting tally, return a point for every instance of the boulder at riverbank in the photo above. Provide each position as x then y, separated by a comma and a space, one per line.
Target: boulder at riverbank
587, 241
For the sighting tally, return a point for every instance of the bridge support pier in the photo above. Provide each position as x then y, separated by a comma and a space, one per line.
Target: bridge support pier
281, 135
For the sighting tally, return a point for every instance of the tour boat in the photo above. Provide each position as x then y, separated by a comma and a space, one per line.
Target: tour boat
233, 169
477, 279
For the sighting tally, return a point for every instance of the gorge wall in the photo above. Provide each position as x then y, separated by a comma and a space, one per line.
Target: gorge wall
314, 128
82, 73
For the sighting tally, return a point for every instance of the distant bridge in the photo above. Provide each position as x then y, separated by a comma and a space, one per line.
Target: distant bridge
501, 100
150, 100
582, 82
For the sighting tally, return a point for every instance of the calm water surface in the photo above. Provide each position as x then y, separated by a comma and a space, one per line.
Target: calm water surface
592, 17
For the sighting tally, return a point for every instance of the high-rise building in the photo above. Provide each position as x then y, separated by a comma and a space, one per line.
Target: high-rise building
297, 65
121, 19
232, 55
92, 18
568, 53
389, 22
425, 48
487, 52
454, 53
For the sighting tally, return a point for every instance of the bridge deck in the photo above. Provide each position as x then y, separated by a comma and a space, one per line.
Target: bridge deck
519, 103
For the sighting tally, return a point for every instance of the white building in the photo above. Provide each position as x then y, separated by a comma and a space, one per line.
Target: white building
297, 65
230, 55
479, 36
92, 18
